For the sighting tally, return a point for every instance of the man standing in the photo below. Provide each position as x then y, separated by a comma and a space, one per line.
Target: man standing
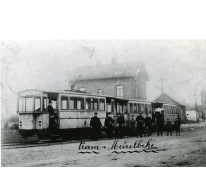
148, 124
177, 126
95, 125
159, 124
169, 127
51, 116
109, 124
120, 125
140, 120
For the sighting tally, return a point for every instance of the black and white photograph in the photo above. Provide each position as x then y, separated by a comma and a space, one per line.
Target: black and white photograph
104, 103
104, 85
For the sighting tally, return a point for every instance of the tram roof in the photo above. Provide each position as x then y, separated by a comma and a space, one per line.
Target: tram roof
75, 92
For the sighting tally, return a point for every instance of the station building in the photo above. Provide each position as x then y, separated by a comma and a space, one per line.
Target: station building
125, 79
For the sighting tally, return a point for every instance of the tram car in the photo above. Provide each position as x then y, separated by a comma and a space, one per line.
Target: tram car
73, 111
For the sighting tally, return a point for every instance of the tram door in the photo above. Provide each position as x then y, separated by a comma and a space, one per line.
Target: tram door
53, 117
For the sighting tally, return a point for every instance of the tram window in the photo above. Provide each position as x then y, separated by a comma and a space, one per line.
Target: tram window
22, 104
29, 104
118, 108
109, 108
135, 107
149, 108
54, 103
37, 106
131, 107
44, 103
112, 105
125, 108
76, 103
64, 103
146, 108
168, 109
139, 108
101, 104
91, 103
142, 108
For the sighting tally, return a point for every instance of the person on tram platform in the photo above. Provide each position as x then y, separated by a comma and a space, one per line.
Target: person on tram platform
51, 115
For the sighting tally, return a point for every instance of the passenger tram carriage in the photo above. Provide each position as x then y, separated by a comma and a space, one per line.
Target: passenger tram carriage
73, 111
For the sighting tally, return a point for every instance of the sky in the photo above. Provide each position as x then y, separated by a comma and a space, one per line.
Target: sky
46, 64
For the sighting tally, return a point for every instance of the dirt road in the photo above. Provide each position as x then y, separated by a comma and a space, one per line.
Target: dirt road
189, 149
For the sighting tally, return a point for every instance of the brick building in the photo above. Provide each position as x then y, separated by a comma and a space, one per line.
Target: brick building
126, 79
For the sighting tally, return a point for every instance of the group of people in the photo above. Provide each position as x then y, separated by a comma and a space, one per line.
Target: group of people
143, 126
96, 126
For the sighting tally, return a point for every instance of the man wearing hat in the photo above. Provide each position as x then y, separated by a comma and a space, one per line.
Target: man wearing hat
120, 126
51, 115
140, 120
177, 125
169, 127
95, 125
109, 124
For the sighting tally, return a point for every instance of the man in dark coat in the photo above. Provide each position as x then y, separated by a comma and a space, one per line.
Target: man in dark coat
95, 125
160, 124
51, 116
120, 126
109, 124
148, 124
140, 121
177, 126
168, 127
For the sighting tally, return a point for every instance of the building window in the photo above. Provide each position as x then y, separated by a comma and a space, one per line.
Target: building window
119, 91
100, 92
83, 89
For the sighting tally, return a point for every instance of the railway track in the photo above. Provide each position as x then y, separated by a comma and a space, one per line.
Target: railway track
31, 144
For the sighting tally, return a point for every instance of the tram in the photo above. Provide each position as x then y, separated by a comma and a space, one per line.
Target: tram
73, 111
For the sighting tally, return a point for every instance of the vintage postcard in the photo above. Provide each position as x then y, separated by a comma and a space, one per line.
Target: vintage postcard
103, 103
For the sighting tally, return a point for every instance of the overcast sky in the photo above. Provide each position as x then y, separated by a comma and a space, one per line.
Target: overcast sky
181, 64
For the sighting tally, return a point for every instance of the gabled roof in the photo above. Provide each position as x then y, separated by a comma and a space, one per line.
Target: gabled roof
174, 97
113, 70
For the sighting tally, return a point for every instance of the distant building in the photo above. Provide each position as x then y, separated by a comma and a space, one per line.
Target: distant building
126, 79
174, 99
192, 113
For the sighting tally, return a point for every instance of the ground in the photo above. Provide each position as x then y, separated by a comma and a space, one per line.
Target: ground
189, 149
